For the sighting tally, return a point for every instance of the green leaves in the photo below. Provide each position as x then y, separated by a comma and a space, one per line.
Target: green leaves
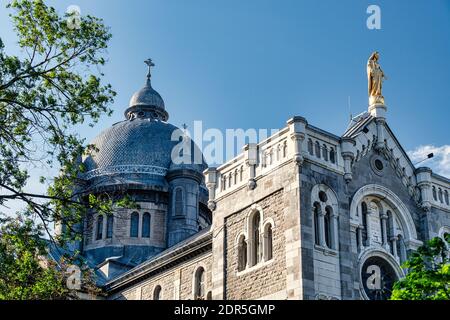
43, 95
54, 86
428, 276
22, 271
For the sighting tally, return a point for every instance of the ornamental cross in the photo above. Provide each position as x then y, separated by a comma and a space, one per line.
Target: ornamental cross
150, 64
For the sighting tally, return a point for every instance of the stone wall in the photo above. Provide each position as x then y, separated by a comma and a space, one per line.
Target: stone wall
324, 271
363, 174
267, 277
176, 283
277, 193
436, 219
121, 227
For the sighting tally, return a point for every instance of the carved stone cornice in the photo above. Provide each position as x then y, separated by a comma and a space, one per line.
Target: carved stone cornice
124, 169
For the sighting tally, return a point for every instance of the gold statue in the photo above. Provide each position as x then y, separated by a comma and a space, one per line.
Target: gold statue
375, 77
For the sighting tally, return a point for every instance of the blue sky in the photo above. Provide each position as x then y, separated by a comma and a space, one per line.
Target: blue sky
255, 63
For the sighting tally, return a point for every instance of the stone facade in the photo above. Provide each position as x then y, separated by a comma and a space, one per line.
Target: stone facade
313, 255
267, 278
175, 283
304, 214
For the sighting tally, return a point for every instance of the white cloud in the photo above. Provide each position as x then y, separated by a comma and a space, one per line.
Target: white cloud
440, 163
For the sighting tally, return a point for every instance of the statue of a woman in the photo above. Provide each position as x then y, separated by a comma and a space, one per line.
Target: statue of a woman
375, 77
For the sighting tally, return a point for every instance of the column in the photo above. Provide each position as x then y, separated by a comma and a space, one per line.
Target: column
348, 154
384, 218
394, 247
251, 159
140, 225
360, 239
105, 225
211, 183
297, 130
335, 228
402, 250
368, 229
321, 215
423, 176
264, 246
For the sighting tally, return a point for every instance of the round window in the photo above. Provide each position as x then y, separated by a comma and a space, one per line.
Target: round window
378, 277
379, 164
323, 196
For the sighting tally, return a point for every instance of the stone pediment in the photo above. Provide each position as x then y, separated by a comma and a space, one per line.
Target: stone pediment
365, 132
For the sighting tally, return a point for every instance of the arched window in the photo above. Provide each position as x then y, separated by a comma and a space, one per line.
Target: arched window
310, 147
178, 202
440, 195
256, 241
446, 197
327, 225
317, 149
146, 225
157, 293
134, 226
364, 222
199, 284
434, 193
241, 173
109, 226
332, 156
242, 253
325, 211
316, 223
284, 149
268, 240
325, 152
99, 227
236, 176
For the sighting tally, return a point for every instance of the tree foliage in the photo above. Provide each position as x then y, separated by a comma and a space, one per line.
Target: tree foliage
43, 95
428, 276
52, 87
24, 274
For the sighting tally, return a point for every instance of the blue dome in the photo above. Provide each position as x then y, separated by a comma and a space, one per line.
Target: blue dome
135, 151
147, 96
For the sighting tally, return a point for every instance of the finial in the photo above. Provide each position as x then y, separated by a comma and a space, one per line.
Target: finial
150, 64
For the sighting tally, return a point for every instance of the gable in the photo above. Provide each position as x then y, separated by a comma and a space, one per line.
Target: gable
364, 132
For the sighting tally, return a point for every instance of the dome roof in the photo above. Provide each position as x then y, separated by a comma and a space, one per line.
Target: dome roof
148, 97
147, 102
135, 151
138, 151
